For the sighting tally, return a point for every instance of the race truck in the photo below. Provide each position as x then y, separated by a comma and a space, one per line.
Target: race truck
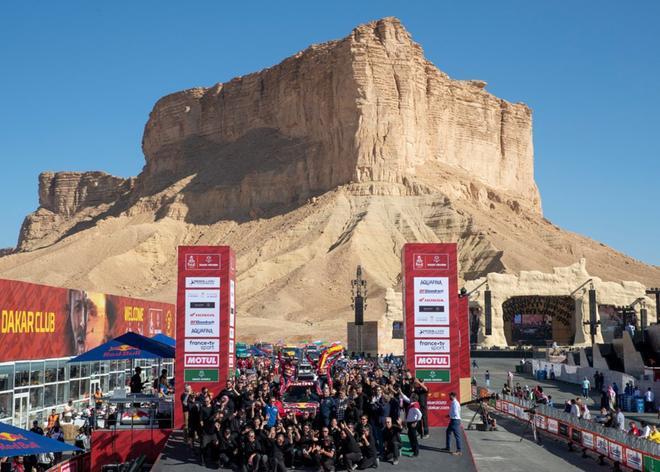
300, 396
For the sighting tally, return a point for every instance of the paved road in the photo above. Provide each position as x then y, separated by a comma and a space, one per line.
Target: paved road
560, 391
503, 450
177, 457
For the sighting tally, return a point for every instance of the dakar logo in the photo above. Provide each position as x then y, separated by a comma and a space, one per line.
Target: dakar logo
9, 437
191, 262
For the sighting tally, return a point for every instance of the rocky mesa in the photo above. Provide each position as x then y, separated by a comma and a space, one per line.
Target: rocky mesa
335, 157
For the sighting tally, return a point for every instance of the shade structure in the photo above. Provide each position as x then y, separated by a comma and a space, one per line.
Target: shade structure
128, 346
20, 442
165, 339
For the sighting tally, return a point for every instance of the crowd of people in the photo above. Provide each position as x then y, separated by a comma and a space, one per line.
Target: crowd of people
361, 410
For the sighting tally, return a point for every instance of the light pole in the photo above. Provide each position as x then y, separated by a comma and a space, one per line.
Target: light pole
359, 303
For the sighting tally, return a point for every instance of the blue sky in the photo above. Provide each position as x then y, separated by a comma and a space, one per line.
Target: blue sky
79, 79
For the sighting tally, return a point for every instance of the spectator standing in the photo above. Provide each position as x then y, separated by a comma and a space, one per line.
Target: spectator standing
454, 425
412, 420
649, 401
487, 377
586, 385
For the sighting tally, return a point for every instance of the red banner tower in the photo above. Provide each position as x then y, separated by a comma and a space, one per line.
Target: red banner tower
206, 314
431, 323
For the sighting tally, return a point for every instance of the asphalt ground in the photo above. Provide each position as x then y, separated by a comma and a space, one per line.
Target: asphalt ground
177, 456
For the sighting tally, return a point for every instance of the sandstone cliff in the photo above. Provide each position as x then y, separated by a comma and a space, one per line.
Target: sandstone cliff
335, 157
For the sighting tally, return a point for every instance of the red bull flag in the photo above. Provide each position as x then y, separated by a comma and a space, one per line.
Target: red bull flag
19, 442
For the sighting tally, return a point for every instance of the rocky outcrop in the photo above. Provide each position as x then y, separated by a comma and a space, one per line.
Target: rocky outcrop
367, 108
66, 198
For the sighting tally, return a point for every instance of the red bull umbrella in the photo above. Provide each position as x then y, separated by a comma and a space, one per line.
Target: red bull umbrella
128, 346
19, 442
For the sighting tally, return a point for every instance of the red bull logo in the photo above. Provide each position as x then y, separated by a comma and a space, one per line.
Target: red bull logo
122, 348
9, 437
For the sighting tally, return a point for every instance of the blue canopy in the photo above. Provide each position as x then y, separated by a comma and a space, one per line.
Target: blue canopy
165, 339
128, 346
19, 442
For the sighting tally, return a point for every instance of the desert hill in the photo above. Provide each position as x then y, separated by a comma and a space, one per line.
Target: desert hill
335, 157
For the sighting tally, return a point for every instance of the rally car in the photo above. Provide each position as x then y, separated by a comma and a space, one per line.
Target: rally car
300, 396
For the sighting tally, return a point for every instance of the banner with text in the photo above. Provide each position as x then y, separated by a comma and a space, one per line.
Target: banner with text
431, 323
206, 316
42, 322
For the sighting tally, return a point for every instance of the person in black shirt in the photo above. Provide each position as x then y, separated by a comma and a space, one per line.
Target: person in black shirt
391, 440
350, 449
278, 449
422, 393
254, 453
325, 457
136, 381
209, 426
369, 451
228, 450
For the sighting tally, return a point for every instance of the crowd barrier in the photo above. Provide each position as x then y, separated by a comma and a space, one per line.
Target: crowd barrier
621, 448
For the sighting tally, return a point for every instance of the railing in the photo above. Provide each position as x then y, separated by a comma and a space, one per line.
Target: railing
620, 447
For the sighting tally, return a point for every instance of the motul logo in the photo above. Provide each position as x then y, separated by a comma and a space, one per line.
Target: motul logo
431, 361
202, 360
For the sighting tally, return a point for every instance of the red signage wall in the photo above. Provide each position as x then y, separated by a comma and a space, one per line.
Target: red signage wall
41, 322
206, 314
431, 318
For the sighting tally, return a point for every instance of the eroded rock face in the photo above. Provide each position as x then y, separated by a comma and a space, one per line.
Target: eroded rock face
367, 108
64, 199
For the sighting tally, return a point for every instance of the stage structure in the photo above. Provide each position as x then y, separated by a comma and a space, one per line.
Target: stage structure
206, 316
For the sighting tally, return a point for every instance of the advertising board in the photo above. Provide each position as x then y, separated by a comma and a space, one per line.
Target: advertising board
205, 318
431, 323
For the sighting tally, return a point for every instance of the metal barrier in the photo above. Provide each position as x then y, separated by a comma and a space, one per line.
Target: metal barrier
620, 447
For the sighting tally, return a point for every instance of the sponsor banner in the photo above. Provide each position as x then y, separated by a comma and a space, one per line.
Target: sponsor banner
616, 451
202, 312
231, 346
200, 375
541, 422
431, 300
633, 459
553, 426
232, 308
430, 360
201, 345
431, 261
651, 464
431, 346
588, 440
432, 331
433, 375
202, 262
201, 360
576, 435
563, 429
40, 322
203, 331
601, 445
432, 324
498, 404
202, 282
